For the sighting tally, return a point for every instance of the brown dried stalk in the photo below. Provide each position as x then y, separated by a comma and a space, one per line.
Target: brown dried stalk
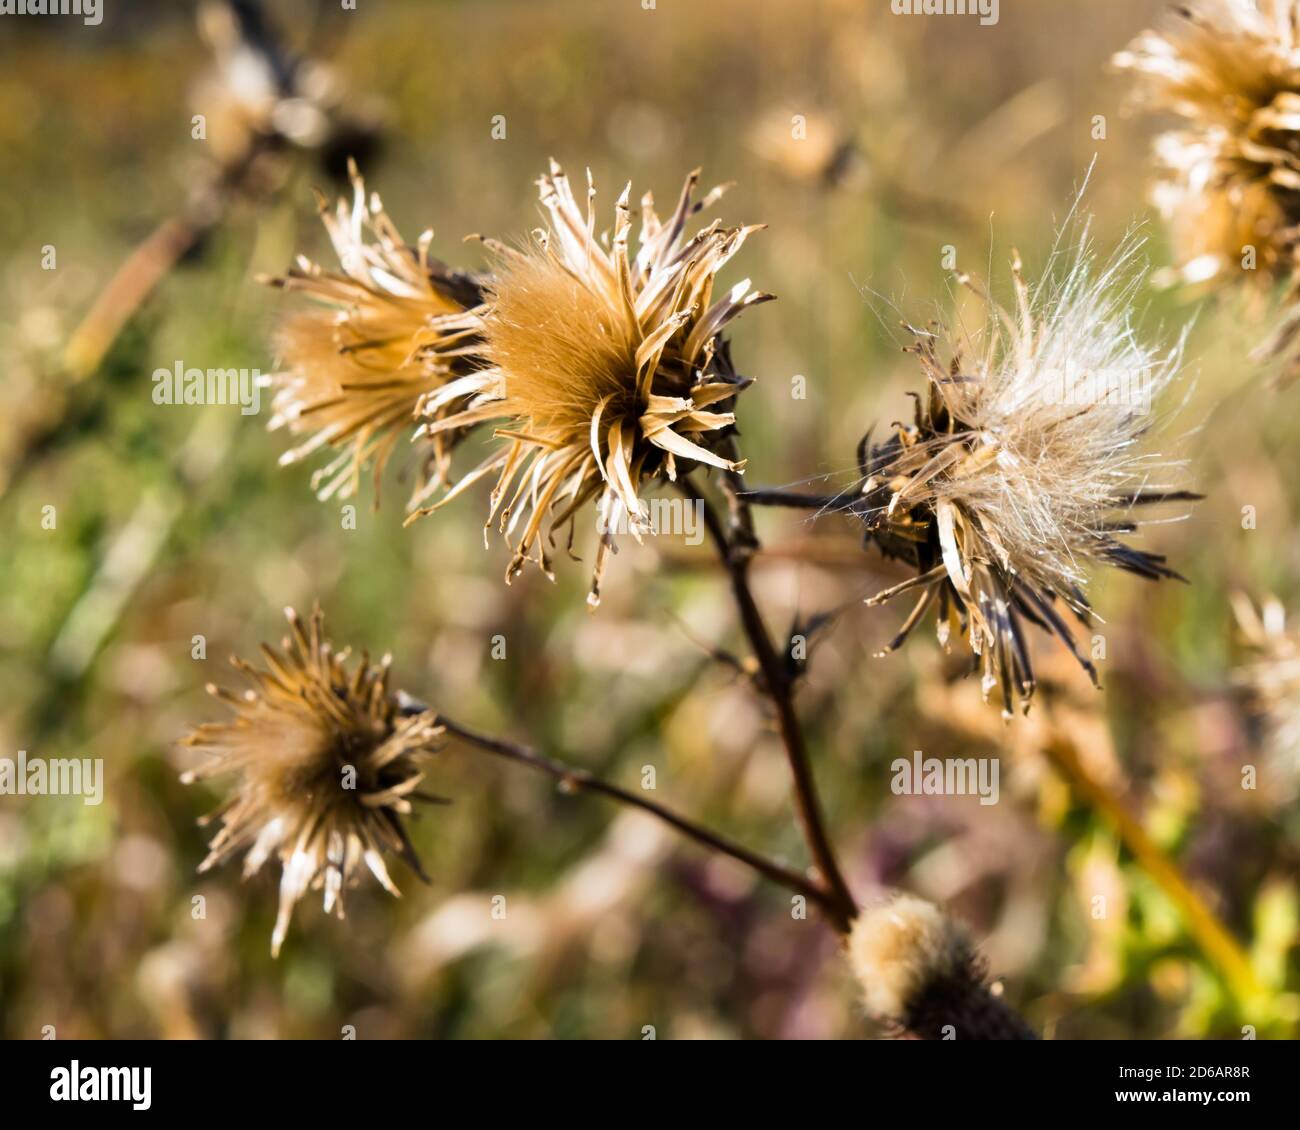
574, 780
735, 549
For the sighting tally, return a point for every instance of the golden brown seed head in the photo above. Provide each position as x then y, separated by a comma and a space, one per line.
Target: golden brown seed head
1229, 175
601, 361
325, 766
390, 329
1271, 681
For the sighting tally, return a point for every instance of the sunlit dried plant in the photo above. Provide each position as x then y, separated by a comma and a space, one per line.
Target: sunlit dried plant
391, 328
259, 94
922, 977
1022, 468
603, 371
1230, 175
602, 362
326, 767
1271, 680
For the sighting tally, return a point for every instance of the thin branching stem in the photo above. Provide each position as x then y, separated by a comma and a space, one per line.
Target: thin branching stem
735, 553
574, 780
798, 500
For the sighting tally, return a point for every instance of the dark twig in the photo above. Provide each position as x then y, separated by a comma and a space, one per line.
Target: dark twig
735, 553
797, 500
572, 779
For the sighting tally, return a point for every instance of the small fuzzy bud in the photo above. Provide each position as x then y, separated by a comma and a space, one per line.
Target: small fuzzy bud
922, 976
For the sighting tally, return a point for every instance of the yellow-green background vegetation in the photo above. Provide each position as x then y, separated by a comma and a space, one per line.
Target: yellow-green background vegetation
174, 522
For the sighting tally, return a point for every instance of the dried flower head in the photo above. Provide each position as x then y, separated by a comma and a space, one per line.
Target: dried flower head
605, 365
1021, 467
391, 328
261, 95
920, 974
1230, 176
1271, 681
327, 766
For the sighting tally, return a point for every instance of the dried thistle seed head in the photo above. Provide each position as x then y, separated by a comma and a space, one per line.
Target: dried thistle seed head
920, 974
899, 945
390, 329
1230, 176
606, 365
1021, 468
1271, 681
258, 92
326, 766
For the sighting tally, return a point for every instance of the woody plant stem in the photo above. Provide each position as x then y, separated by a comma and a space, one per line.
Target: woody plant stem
735, 544
575, 780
